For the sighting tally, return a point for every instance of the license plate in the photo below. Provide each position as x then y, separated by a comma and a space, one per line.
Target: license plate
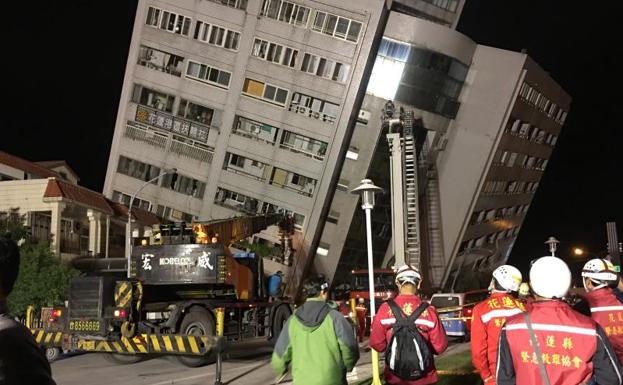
85, 326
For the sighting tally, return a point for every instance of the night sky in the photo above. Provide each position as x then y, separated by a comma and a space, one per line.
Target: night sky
64, 63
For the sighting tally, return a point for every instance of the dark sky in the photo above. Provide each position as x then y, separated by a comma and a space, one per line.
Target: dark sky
64, 64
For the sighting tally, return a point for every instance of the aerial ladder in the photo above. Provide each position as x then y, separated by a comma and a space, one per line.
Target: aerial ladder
404, 146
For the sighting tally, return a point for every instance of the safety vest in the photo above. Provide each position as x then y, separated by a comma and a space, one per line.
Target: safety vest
607, 311
487, 320
567, 339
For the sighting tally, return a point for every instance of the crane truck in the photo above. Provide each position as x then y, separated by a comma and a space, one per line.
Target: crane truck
170, 302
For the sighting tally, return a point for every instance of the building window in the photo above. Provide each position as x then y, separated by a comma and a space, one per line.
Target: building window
343, 184
336, 26
448, 5
286, 12
293, 181
207, 74
137, 169
275, 53
195, 112
304, 145
151, 98
168, 21
122, 198
236, 201
216, 35
333, 217
160, 60
265, 91
239, 164
352, 153
171, 213
323, 249
184, 185
314, 107
325, 68
255, 130
240, 4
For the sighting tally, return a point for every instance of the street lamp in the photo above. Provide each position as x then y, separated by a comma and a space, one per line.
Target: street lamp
129, 225
553, 245
367, 190
578, 251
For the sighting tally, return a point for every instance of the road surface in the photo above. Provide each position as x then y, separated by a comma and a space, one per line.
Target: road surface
246, 363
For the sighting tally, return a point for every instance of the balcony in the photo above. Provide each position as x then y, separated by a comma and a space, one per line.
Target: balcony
167, 122
299, 109
191, 151
143, 134
318, 155
176, 145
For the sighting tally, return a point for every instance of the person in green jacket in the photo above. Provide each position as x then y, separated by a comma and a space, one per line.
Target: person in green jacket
316, 340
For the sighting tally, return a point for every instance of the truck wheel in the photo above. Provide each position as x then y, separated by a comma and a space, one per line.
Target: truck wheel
52, 354
197, 322
280, 317
123, 359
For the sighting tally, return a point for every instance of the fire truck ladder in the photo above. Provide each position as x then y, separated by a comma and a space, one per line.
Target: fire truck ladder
412, 226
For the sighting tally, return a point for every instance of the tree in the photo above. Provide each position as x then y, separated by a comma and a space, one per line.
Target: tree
43, 279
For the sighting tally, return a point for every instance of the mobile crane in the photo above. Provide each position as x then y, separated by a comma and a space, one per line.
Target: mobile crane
171, 302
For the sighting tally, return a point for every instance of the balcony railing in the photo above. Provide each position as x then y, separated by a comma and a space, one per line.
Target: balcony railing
247, 174
311, 113
190, 151
167, 122
141, 133
314, 155
135, 132
287, 187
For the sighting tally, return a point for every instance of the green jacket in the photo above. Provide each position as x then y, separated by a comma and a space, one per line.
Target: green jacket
319, 343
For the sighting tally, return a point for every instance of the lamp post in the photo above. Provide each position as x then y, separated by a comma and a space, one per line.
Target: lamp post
553, 245
128, 253
367, 190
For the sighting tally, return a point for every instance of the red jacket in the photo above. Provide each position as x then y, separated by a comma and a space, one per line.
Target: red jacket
574, 349
607, 311
487, 320
428, 324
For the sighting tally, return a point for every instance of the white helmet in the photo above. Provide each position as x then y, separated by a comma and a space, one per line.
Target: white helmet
600, 271
550, 277
509, 277
408, 274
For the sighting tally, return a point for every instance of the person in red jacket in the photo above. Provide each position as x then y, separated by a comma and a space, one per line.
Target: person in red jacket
408, 280
488, 318
570, 348
598, 277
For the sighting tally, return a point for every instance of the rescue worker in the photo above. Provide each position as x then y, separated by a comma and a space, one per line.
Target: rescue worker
21, 359
573, 348
488, 317
317, 340
524, 295
274, 284
408, 280
598, 277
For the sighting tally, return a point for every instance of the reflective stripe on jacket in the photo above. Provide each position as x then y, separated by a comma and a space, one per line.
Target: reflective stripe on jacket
488, 318
428, 324
573, 349
607, 311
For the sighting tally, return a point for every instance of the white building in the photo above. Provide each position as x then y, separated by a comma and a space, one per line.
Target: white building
260, 106
77, 221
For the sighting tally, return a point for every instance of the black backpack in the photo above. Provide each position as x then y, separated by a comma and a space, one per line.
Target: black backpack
408, 355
